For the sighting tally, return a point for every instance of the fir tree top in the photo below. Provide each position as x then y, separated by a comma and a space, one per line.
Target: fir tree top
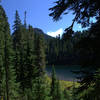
17, 22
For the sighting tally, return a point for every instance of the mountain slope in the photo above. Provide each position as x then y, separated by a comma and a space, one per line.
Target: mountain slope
39, 31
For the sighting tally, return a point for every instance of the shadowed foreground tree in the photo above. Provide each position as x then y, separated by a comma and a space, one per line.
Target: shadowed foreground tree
83, 11
1, 52
89, 48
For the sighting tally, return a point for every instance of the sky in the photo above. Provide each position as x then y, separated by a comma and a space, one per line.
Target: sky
38, 15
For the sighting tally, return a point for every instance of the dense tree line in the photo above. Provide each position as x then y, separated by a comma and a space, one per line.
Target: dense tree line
62, 51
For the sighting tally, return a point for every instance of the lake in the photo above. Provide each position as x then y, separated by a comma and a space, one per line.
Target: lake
64, 72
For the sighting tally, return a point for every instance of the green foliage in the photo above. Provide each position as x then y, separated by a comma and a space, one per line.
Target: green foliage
17, 22
89, 60
2, 69
67, 95
39, 60
83, 10
29, 60
62, 51
87, 46
23, 40
8, 86
56, 92
92, 92
22, 61
40, 89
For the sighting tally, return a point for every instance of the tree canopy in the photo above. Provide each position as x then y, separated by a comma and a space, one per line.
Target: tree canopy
83, 10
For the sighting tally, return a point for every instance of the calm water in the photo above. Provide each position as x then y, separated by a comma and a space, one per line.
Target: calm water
64, 72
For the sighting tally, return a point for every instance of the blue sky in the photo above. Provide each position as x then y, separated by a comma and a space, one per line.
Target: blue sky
38, 15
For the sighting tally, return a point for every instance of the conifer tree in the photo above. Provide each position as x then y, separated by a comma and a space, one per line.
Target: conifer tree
97, 85
20, 46
9, 86
93, 91
39, 83
17, 22
59, 91
74, 97
16, 42
29, 63
53, 85
40, 89
39, 60
66, 95
21, 56
29, 59
56, 93
25, 24
2, 79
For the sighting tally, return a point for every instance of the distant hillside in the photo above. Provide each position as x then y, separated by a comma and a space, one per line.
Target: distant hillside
39, 31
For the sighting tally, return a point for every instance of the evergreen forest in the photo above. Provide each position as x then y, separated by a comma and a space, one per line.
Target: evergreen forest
25, 53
